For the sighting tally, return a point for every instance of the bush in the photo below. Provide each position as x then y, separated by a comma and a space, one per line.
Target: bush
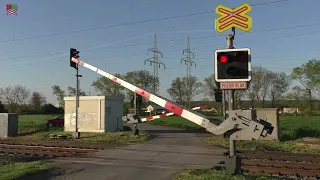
305, 113
51, 109
127, 128
2, 108
206, 113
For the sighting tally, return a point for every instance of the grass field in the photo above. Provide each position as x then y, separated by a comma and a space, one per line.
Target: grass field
210, 174
12, 168
32, 128
292, 128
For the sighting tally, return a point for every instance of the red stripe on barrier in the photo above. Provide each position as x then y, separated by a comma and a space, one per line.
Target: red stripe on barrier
149, 118
173, 108
163, 115
115, 79
143, 93
77, 61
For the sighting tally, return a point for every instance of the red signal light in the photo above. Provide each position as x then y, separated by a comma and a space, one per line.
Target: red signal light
223, 59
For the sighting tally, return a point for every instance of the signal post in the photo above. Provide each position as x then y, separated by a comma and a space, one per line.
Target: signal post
233, 66
74, 53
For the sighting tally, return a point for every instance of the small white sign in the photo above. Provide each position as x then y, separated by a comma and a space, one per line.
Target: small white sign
150, 108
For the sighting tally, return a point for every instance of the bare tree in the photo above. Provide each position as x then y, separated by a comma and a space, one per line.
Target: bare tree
14, 96
209, 86
265, 88
37, 100
194, 88
256, 84
280, 83
238, 95
60, 94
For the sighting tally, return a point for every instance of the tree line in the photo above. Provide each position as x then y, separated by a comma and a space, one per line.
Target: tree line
19, 99
300, 89
267, 89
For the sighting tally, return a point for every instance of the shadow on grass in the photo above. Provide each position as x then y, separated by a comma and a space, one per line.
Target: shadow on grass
7, 159
39, 129
31, 132
50, 174
198, 131
156, 134
221, 173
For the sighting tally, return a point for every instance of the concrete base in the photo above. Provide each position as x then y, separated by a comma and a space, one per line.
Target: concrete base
233, 164
76, 135
8, 125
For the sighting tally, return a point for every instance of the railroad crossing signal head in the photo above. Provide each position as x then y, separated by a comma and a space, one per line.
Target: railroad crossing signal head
232, 65
74, 53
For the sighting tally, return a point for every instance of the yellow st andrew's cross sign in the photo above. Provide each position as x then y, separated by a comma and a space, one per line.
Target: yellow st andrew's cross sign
237, 18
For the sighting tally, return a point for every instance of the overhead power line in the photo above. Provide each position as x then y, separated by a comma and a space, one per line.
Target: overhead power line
130, 23
45, 56
104, 10
89, 83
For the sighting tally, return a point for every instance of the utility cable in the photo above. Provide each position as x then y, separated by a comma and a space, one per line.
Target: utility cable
166, 41
131, 23
105, 10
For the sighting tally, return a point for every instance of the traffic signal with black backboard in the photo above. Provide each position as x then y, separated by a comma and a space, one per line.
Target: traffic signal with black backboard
232, 65
74, 53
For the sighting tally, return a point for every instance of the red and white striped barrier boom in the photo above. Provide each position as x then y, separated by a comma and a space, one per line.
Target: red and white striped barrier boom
151, 118
251, 129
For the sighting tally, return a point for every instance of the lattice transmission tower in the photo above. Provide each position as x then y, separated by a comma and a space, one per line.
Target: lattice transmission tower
189, 63
156, 65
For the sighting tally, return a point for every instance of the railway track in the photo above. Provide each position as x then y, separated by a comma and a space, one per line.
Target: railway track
46, 151
59, 143
281, 163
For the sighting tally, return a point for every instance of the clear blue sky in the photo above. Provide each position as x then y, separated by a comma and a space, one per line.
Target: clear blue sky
27, 62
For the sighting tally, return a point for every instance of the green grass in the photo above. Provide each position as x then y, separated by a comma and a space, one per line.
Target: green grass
288, 146
209, 174
296, 127
17, 170
292, 129
33, 123
177, 122
32, 127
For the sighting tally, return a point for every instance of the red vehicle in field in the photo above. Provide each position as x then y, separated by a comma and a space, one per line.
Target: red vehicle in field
56, 122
